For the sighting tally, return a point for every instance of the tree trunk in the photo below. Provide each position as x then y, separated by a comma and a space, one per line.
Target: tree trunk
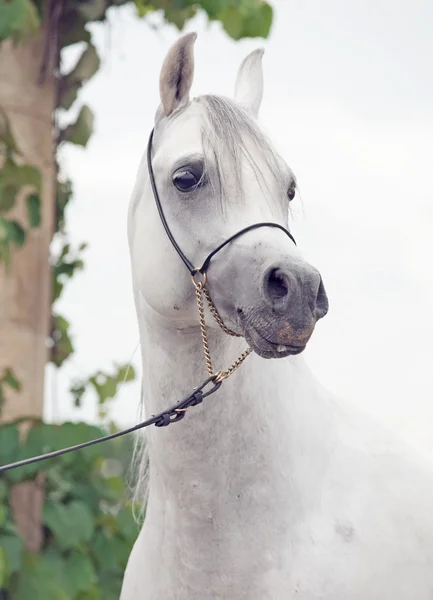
25, 288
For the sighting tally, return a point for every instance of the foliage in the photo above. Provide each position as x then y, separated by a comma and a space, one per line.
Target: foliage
106, 386
8, 379
240, 18
19, 18
79, 132
17, 180
88, 528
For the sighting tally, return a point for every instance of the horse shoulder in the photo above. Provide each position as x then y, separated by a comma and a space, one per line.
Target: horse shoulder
375, 526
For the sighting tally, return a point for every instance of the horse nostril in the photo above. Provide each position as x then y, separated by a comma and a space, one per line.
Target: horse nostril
278, 284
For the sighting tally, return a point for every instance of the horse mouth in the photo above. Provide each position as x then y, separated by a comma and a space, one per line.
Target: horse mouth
267, 348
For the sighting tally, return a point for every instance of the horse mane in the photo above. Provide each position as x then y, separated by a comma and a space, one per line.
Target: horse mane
138, 476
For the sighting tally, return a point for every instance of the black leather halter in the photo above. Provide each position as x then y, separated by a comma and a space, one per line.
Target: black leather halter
189, 265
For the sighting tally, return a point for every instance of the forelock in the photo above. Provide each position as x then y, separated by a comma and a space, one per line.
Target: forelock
233, 136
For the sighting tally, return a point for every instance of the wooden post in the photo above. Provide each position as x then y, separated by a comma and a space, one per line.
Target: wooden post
25, 288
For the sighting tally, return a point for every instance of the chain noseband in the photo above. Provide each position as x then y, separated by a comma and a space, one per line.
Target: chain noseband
176, 413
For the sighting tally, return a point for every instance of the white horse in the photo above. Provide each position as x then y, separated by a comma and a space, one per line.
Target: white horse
270, 489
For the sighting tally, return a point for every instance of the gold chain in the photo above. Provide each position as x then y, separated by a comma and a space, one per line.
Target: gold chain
199, 296
200, 291
215, 314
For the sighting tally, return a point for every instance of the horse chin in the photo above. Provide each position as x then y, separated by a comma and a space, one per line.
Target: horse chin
266, 348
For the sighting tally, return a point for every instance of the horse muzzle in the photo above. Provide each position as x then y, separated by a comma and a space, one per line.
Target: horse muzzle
291, 301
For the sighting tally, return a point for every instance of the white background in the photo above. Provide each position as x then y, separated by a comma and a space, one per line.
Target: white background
349, 103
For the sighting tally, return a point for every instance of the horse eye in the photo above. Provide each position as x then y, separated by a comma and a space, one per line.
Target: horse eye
291, 193
185, 180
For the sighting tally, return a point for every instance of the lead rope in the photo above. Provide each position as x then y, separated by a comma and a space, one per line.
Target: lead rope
176, 412
200, 291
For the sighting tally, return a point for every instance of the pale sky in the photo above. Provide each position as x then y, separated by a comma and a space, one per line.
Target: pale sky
349, 103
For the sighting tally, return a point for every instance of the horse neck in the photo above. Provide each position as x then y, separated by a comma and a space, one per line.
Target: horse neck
259, 421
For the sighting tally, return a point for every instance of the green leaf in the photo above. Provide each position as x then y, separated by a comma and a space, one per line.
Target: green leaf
9, 443
12, 178
105, 386
3, 231
87, 65
232, 22
79, 574
247, 19
111, 584
39, 440
6, 136
20, 175
110, 488
73, 29
179, 17
3, 514
110, 551
27, 175
213, 7
78, 389
33, 210
93, 594
3, 490
14, 232
63, 196
258, 23
19, 18
70, 524
143, 7
70, 434
62, 343
3, 568
66, 264
125, 373
46, 437
14, 15
91, 9
128, 527
9, 528
79, 132
28, 24
8, 194
5, 256
41, 579
13, 547
69, 95
9, 378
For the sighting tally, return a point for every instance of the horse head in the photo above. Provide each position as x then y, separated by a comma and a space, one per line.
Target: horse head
215, 173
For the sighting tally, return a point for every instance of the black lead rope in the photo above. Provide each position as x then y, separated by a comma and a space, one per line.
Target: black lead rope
171, 415
176, 412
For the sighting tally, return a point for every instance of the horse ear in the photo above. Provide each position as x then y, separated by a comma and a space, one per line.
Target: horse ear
177, 73
249, 82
